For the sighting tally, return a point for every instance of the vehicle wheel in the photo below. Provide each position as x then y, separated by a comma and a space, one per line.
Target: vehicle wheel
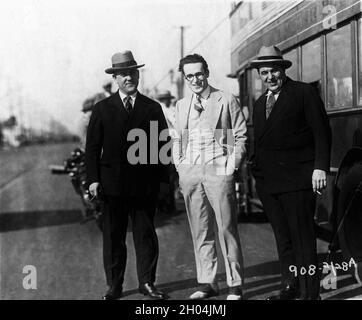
350, 218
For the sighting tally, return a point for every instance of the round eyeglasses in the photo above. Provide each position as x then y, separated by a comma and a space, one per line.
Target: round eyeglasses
199, 76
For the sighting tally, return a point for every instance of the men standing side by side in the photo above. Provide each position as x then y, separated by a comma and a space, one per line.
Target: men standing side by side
127, 189
290, 162
208, 147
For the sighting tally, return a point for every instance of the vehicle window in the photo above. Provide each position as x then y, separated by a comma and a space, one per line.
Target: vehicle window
292, 56
311, 64
339, 66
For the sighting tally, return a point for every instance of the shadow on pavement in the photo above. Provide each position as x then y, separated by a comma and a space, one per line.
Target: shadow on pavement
348, 294
255, 217
264, 269
163, 218
343, 289
262, 280
13, 221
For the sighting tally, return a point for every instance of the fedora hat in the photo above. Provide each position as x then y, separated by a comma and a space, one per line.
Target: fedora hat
107, 84
270, 55
123, 61
165, 94
88, 105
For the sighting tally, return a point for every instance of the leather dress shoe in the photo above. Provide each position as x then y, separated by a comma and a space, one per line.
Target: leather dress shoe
288, 293
205, 291
235, 293
114, 293
148, 289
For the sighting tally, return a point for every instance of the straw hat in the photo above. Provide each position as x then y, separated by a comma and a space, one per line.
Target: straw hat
165, 94
270, 55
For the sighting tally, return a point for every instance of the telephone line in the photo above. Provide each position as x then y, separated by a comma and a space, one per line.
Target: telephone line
198, 44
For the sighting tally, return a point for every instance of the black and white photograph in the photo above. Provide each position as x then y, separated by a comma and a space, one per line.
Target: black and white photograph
201, 151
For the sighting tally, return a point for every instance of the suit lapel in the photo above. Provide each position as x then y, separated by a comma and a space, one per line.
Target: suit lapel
118, 111
215, 107
214, 110
185, 111
139, 112
279, 108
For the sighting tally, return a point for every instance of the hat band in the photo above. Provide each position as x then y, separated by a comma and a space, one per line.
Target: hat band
270, 58
124, 64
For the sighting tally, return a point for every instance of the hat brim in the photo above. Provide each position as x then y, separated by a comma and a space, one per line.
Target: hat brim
165, 97
279, 62
114, 70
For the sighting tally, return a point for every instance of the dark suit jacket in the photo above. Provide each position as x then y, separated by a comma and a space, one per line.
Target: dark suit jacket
293, 141
107, 146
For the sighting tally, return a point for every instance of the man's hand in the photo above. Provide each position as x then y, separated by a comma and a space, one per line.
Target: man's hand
319, 180
94, 189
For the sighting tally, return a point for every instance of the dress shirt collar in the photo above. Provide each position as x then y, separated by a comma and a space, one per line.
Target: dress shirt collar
205, 94
276, 94
123, 96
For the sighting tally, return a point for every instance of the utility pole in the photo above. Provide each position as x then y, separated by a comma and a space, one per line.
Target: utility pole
142, 79
181, 85
182, 80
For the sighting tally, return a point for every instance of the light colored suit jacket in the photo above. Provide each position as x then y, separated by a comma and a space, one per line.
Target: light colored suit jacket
226, 119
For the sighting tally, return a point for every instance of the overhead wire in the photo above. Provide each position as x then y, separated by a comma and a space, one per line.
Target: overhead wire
196, 46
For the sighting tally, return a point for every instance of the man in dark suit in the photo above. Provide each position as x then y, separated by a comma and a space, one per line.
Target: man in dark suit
290, 162
127, 180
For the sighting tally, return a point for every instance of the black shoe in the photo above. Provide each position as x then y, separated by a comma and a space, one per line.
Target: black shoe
206, 291
288, 293
113, 293
148, 289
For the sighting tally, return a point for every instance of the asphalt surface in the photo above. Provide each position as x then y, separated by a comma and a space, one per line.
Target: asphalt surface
41, 235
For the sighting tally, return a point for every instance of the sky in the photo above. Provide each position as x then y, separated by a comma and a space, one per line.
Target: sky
54, 53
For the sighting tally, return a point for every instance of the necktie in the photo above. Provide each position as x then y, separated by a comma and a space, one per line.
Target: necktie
198, 106
269, 104
128, 104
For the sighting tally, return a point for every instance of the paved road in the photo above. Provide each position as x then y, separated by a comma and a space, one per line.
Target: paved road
40, 226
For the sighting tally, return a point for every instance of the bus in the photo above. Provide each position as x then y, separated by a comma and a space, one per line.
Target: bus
323, 39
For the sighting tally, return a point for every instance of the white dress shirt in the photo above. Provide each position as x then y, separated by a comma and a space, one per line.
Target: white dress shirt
124, 96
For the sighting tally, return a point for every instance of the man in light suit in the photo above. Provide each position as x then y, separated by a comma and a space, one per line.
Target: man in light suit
291, 159
209, 144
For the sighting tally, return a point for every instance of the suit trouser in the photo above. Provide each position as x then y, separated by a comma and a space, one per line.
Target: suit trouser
291, 216
209, 198
115, 221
